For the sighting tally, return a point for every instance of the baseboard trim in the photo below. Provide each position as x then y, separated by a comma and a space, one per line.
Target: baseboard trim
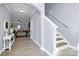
41, 48
47, 52
35, 42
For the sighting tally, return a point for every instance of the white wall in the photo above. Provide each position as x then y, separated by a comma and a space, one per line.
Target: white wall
41, 8
35, 28
68, 14
3, 16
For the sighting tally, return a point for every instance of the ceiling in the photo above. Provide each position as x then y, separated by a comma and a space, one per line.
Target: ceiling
20, 11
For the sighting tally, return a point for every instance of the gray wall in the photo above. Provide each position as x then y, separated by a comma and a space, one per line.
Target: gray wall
3, 16
35, 28
69, 15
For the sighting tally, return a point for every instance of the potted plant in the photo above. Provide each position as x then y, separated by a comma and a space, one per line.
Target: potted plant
12, 27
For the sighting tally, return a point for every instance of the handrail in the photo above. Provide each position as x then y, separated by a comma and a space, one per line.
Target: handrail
58, 20
50, 21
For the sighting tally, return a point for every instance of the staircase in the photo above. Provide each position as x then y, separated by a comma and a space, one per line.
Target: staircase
61, 42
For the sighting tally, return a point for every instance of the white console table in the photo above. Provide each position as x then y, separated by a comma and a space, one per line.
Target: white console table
10, 38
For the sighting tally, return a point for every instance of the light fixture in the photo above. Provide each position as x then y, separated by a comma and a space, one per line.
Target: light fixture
18, 27
21, 10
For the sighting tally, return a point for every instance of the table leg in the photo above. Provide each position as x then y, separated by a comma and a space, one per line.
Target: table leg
4, 44
26, 33
9, 44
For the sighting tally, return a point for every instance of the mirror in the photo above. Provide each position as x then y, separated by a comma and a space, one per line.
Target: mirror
6, 27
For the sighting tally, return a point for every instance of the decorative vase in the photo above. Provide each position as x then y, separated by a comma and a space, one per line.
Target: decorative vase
11, 30
6, 34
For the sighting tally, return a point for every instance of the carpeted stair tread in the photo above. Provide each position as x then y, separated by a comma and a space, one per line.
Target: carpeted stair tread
61, 44
59, 39
57, 34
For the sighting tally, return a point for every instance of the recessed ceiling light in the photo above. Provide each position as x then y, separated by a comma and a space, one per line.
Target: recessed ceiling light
21, 10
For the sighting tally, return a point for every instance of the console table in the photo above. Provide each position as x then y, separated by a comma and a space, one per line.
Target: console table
21, 31
10, 39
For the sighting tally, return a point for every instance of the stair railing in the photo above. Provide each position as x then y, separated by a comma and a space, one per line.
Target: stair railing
56, 18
